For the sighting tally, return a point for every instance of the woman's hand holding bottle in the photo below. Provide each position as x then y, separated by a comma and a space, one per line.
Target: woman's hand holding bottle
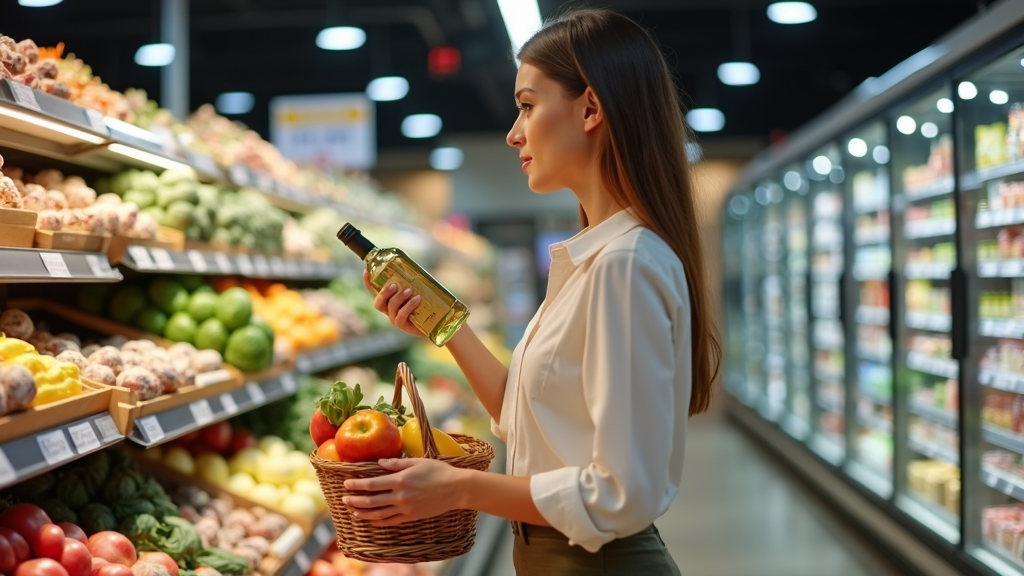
396, 304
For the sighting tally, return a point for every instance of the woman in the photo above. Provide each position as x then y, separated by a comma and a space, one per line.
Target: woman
594, 407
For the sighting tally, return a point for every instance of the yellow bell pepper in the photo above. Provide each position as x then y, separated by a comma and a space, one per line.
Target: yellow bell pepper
412, 442
53, 375
34, 362
54, 392
11, 347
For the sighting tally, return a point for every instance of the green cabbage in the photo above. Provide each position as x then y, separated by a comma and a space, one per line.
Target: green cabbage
177, 538
71, 491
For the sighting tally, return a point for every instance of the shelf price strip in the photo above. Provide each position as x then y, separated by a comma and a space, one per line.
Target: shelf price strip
927, 270
943, 367
929, 228
1001, 269
928, 321
1002, 438
932, 451
1001, 380
995, 479
36, 453
1001, 328
934, 414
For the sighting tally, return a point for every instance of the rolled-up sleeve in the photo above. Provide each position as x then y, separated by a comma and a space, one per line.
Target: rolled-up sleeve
628, 373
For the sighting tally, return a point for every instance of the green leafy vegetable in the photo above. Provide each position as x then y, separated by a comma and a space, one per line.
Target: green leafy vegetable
223, 561
177, 537
58, 511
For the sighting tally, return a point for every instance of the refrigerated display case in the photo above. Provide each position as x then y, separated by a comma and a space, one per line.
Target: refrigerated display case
824, 173
797, 422
773, 250
928, 470
753, 319
866, 156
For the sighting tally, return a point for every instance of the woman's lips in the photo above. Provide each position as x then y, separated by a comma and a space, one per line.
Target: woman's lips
525, 162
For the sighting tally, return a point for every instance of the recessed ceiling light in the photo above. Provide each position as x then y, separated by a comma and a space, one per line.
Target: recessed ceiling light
857, 147
522, 20
160, 54
791, 12
880, 154
738, 73
387, 88
822, 165
421, 126
447, 158
235, 102
929, 130
39, 3
906, 125
706, 119
341, 38
998, 97
967, 90
945, 105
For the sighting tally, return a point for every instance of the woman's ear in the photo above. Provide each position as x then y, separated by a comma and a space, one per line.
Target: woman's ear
593, 115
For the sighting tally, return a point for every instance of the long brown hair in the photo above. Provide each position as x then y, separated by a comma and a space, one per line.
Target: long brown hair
643, 163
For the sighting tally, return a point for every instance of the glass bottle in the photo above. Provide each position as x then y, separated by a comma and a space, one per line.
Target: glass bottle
439, 315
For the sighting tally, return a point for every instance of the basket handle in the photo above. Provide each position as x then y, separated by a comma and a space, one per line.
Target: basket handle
403, 378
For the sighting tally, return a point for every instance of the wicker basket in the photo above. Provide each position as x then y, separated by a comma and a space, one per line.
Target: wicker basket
438, 538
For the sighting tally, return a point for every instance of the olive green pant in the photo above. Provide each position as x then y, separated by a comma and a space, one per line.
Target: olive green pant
546, 552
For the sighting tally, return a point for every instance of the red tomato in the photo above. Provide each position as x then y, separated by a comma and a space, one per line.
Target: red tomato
112, 547
368, 436
160, 559
329, 450
113, 570
48, 543
41, 567
97, 564
242, 439
8, 561
73, 531
217, 437
76, 558
321, 429
20, 545
25, 519
190, 438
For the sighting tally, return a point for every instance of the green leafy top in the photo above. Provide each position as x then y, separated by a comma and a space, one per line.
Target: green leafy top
342, 401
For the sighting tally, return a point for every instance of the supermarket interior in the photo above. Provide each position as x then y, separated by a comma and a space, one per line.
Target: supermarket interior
186, 336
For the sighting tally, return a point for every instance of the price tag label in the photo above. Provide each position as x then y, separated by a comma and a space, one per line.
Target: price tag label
24, 95
108, 430
84, 437
198, 261
292, 268
229, 404
55, 265
223, 263
95, 120
277, 267
256, 393
210, 378
7, 473
151, 428
55, 447
201, 411
308, 268
99, 266
245, 266
323, 534
288, 382
302, 561
239, 175
141, 256
261, 265
162, 258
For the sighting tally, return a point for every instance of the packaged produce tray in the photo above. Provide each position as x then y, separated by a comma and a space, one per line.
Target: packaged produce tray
95, 398
17, 228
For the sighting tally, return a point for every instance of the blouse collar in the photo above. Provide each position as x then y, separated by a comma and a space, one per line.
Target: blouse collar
592, 239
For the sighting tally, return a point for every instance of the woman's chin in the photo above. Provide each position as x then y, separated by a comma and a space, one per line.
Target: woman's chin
539, 186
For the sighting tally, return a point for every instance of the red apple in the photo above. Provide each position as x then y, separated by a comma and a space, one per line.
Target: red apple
329, 450
367, 436
321, 429
112, 547
217, 437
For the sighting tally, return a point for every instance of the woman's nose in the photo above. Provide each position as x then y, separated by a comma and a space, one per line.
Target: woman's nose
515, 136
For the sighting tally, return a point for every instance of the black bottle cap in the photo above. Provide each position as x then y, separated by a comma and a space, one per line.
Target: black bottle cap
353, 238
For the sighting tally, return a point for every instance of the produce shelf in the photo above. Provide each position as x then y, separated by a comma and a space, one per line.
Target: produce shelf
997, 328
147, 259
999, 217
929, 450
929, 321
973, 179
932, 413
942, 367
916, 229
1002, 481
353, 350
164, 426
1001, 380
45, 450
874, 315
937, 187
1002, 437
927, 271
41, 266
1001, 269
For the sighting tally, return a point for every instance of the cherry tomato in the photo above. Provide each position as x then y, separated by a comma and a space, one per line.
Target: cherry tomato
49, 542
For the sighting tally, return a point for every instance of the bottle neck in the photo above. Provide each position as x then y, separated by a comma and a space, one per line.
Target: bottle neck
355, 241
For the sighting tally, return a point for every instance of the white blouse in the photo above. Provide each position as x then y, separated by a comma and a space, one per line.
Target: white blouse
598, 393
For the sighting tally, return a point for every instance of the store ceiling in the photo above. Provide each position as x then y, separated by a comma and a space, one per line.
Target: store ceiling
267, 47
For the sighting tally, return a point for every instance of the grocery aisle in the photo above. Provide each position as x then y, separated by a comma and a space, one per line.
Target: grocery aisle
740, 513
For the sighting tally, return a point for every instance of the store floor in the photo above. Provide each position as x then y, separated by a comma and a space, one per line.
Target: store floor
741, 513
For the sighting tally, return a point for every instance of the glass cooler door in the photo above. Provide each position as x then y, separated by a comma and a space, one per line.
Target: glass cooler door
734, 367
867, 184
753, 316
927, 407
990, 142
798, 339
769, 195
825, 176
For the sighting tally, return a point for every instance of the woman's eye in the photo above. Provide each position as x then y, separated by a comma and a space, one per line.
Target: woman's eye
526, 107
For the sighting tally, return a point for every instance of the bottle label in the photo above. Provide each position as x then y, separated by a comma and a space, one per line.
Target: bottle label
432, 308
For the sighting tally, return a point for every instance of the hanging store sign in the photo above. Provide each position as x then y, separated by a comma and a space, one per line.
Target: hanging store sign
325, 130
